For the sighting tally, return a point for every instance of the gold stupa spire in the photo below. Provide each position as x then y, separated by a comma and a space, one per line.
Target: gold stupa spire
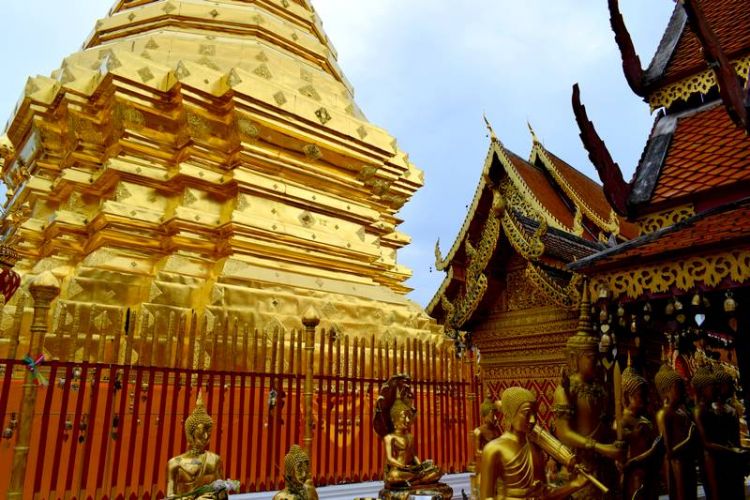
209, 156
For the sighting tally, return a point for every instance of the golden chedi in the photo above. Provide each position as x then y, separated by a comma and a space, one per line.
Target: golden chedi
298, 484
405, 474
209, 156
513, 465
197, 468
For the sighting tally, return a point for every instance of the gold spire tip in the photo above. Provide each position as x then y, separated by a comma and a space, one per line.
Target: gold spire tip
493, 137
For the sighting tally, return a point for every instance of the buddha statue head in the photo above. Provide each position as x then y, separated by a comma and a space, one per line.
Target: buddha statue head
401, 415
704, 383
198, 427
582, 348
669, 384
519, 409
635, 391
296, 471
724, 383
488, 412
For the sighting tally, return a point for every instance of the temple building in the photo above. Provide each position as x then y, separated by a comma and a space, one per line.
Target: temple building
507, 290
683, 283
209, 157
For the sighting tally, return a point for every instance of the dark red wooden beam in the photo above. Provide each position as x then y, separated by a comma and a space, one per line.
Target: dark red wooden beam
631, 63
616, 189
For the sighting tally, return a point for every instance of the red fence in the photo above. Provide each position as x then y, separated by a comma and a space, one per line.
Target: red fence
107, 431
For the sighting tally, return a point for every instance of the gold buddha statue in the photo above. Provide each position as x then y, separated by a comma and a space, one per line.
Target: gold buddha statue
640, 474
513, 465
197, 467
723, 459
298, 484
581, 407
488, 430
677, 432
405, 473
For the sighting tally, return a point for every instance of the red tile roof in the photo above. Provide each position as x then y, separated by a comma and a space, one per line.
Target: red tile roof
545, 193
718, 229
730, 20
707, 151
591, 193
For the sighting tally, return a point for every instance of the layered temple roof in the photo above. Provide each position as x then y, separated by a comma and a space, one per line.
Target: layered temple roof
210, 154
679, 53
542, 210
689, 192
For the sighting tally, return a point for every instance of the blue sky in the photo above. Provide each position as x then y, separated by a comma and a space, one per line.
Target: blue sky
426, 70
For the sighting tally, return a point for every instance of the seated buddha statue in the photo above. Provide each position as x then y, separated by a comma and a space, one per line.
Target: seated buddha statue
402, 466
298, 484
197, 467
405, 473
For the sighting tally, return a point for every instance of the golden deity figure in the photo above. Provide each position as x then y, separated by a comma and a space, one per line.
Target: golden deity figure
512, 465
191, 474
723, 459
640, 474
677, 432
405, 473
488, 430
298, 484
581, 407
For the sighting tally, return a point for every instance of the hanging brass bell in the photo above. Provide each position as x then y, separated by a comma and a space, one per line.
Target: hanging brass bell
669, 309
730, 305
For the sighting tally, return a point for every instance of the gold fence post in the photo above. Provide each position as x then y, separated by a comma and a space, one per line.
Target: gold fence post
43, 289
471, 396
310, 320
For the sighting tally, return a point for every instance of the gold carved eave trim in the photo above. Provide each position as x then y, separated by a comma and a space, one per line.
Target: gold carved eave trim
441, 263
530, 248
666, 218
700, 83
685, 274
440, 291
611, 226
461, 309
565, 297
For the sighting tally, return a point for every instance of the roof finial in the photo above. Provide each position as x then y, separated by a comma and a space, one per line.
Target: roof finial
493, 137
534, 138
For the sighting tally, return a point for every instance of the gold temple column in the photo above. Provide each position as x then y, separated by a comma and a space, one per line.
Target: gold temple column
310, 320
43, 289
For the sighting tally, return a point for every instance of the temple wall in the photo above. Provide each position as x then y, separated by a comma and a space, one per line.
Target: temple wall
522, 343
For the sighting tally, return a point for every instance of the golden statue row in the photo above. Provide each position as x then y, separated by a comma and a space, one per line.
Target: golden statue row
608, 453
616, 455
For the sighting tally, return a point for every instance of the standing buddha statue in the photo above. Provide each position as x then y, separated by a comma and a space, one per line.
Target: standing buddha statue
197, 467
581, 406
640, 475
723, 459
488, 430
677, 430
